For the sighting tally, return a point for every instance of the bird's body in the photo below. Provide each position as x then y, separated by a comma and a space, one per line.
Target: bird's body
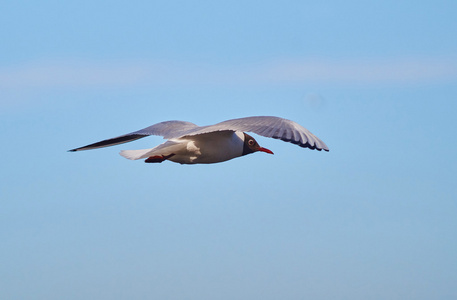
199, 149
191, 144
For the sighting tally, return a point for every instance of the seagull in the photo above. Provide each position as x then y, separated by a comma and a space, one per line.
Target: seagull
188, 143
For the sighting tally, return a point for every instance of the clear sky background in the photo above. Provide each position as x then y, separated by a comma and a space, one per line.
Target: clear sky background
375, 218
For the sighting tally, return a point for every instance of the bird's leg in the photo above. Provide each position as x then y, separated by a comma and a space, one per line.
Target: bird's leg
158, 158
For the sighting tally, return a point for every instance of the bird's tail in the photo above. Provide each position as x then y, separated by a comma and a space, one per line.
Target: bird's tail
166, 148
136, 154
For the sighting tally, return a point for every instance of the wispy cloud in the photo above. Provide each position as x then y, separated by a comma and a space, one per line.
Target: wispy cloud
77, 74
49, 74
363, 71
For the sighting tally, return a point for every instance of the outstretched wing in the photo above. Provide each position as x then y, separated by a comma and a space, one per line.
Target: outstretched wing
272, 127
168, 129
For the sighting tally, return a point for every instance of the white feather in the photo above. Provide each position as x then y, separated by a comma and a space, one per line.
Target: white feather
136, 154
175, 146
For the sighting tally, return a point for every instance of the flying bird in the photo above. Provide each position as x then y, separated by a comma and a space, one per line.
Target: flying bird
188, 143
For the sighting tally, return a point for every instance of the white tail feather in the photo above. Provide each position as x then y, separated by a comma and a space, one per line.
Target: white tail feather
135, 154
163, 149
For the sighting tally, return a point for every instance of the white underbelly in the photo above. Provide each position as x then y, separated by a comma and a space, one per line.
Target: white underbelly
210, 148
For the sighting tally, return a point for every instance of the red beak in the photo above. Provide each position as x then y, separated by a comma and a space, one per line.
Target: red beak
265, 150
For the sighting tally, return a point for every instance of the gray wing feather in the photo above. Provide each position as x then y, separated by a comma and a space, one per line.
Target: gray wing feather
272, 127
168, 129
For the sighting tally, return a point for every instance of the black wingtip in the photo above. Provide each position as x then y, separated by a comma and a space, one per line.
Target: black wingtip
72, 150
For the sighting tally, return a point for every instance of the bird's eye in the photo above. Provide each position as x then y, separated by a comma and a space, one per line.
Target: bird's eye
251, 143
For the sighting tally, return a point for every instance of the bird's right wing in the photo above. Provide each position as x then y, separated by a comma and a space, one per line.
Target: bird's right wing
272, 127
168, 129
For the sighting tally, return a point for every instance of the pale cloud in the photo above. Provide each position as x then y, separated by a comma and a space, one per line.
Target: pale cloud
363, 71
125, 74
51, 74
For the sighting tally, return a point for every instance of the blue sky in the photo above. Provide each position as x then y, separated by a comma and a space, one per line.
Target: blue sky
372, 219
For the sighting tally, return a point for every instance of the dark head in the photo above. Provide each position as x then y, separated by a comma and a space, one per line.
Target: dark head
251, 145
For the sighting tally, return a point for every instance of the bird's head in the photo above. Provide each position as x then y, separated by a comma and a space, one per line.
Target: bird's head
251, 145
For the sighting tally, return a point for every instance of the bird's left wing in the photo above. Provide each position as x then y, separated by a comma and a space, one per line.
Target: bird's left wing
168, 129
